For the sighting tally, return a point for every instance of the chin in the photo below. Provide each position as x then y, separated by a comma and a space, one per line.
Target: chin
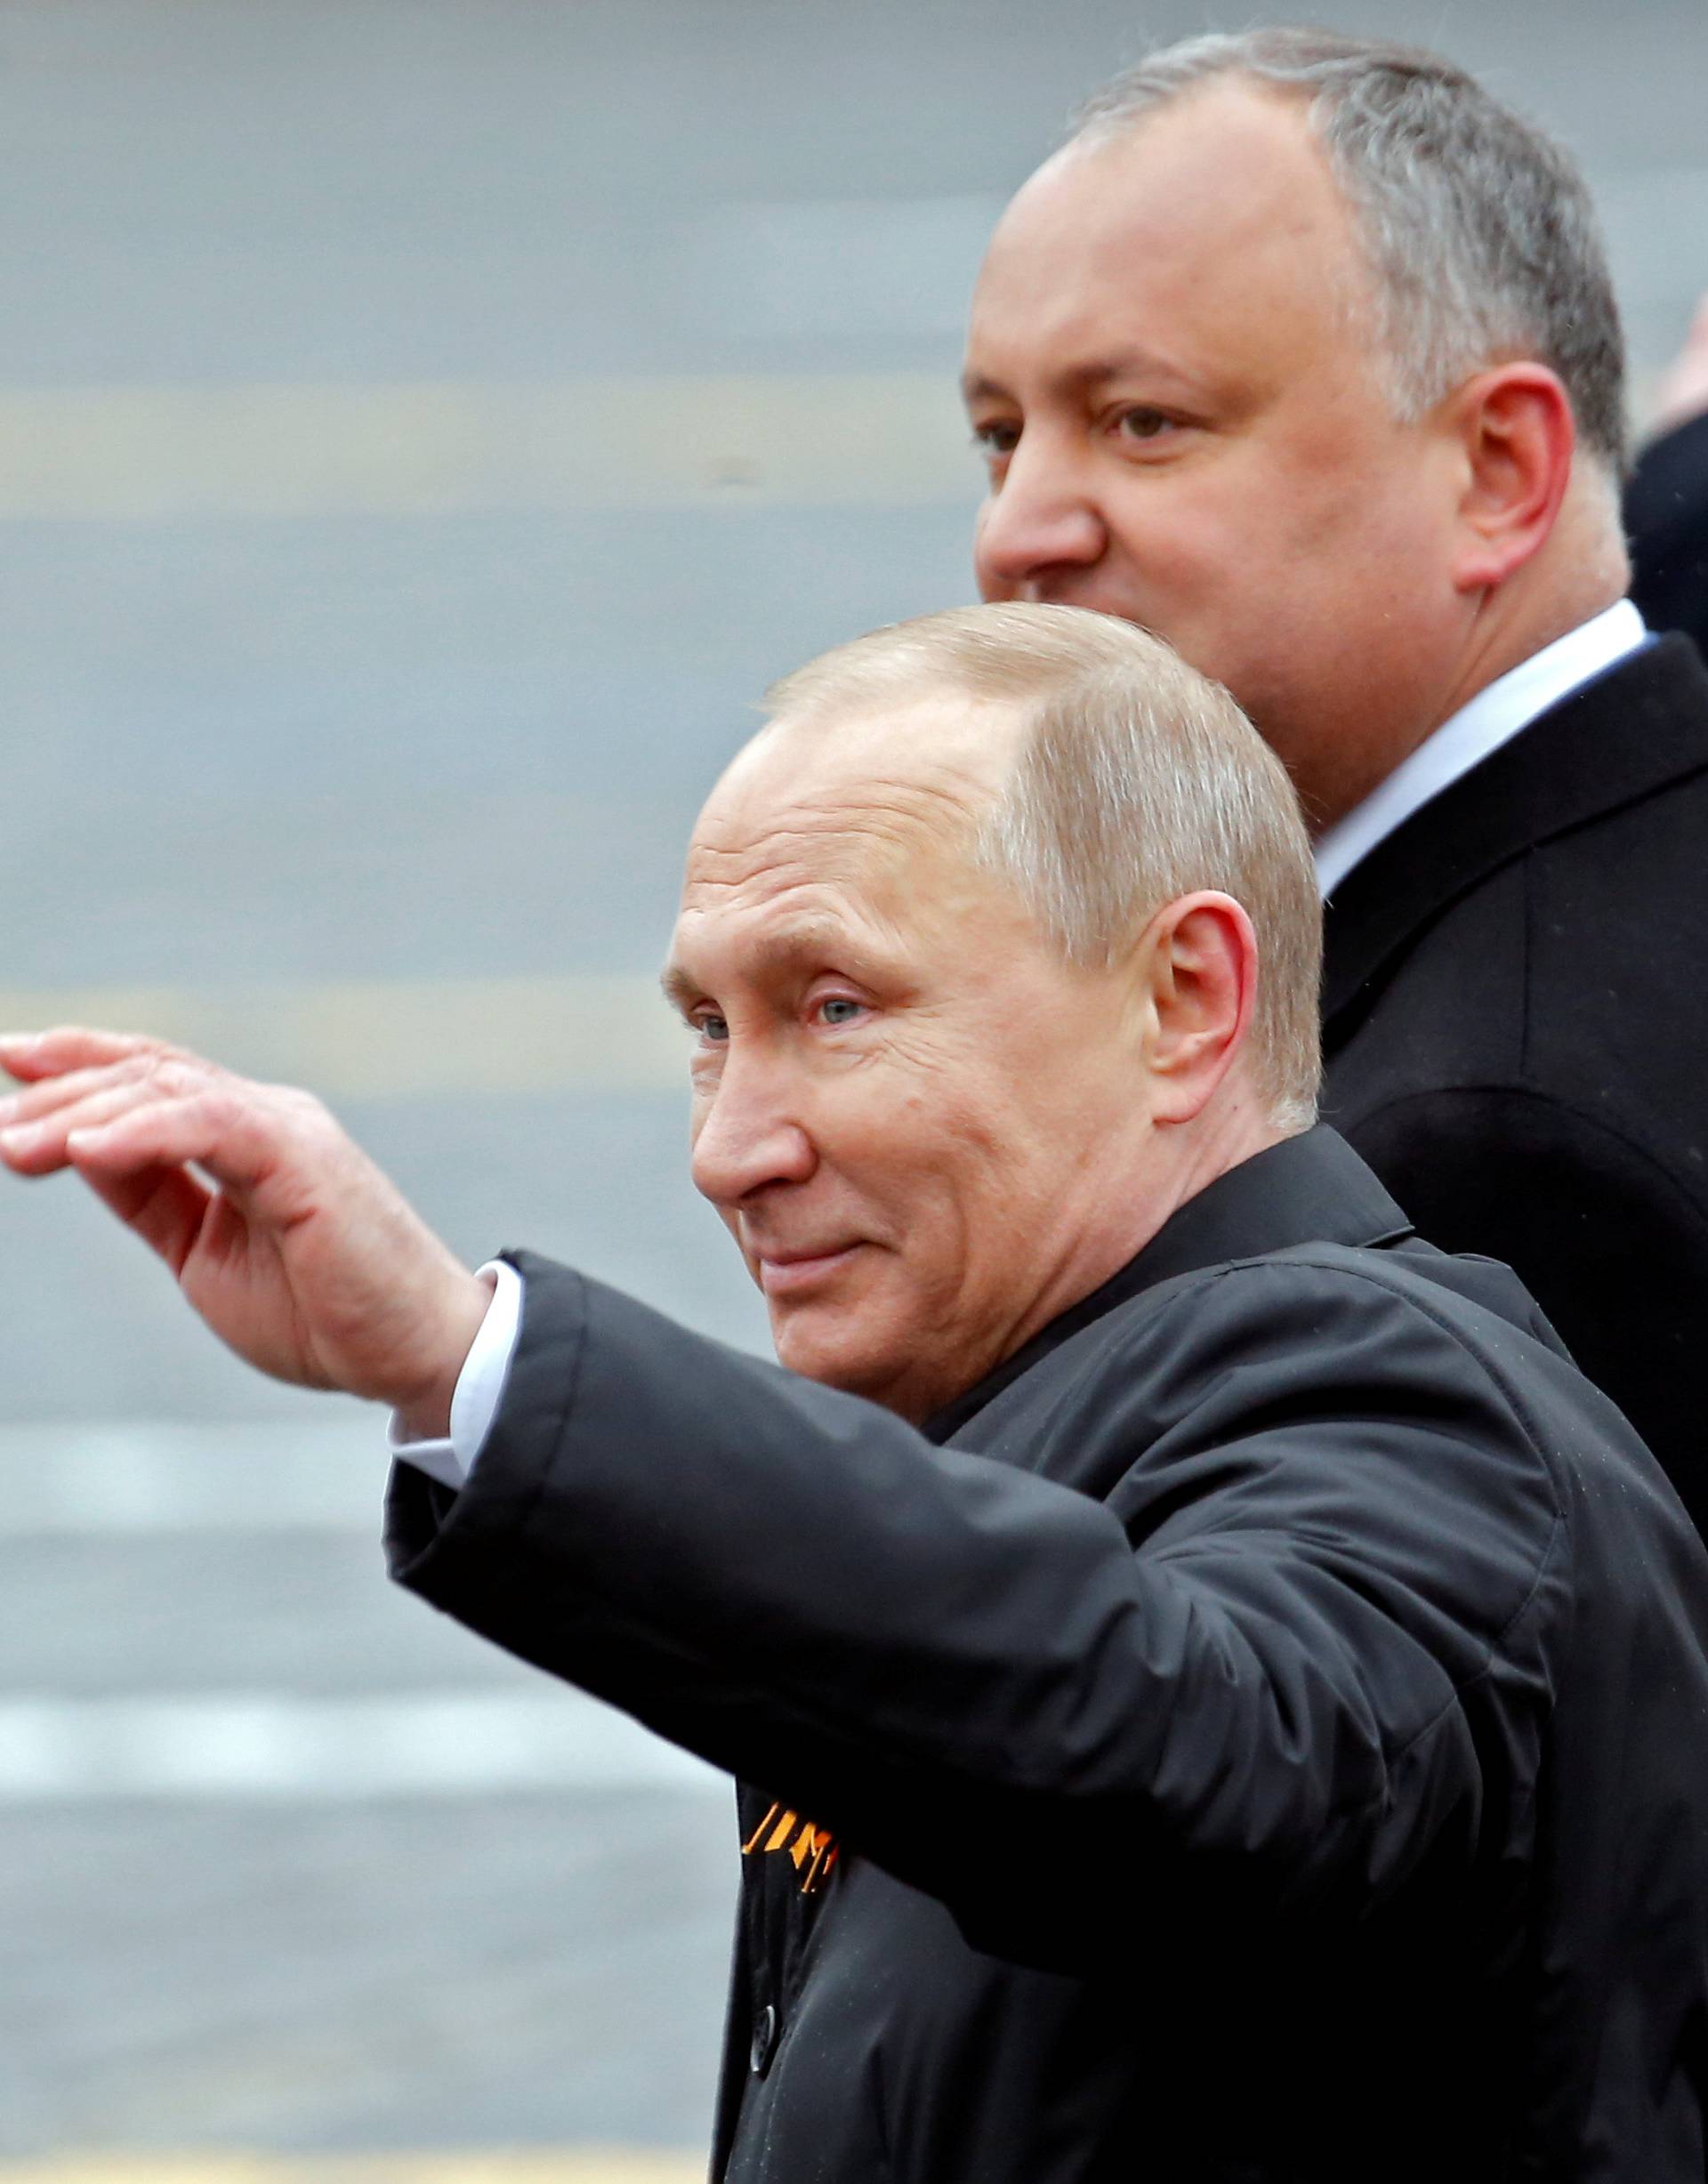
834, 1357
831, 1363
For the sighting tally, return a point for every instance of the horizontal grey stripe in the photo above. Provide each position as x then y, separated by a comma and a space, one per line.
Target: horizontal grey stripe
469, 2165
169, 453
86, 1481
383, 1039
263, 1747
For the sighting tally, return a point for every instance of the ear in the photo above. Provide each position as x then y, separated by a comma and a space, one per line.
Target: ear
1515, 427
1199, 958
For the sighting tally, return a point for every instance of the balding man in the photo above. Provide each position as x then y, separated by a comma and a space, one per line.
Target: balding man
1303, 353
1220, 1695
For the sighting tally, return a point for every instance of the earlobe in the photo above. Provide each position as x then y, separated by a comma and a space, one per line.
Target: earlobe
1202, 981
1517, 430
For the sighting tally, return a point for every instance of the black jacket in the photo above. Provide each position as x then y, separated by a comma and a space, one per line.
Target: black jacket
1667, 514
1516, 1028
1263, 1740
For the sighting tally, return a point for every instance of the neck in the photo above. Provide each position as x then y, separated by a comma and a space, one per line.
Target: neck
1132, 1204
1504, 648
1179, 1161
1581, 571
1233, 1129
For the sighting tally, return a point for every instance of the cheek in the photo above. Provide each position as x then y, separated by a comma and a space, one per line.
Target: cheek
968, 1166
702, 1088
875, 1107
942, 1134
1246, 574
1183, 542
1349, 491
916, 1162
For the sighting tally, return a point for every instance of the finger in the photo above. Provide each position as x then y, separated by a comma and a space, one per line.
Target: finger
28, 1055
227, 1128
55, 1093
165, 1206
37, 1147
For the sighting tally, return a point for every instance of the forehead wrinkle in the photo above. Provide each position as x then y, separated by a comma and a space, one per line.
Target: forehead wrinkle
805, 839
825, 853
792, 939
781, 935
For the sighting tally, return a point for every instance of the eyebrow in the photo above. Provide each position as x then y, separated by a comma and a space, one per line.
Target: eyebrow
785, 947
679, 989
1096, 371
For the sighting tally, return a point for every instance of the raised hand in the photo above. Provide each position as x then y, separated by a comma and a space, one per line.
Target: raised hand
284, 1237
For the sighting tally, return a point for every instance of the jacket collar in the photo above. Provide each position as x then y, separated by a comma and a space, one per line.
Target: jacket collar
1634, 730
1308, 1189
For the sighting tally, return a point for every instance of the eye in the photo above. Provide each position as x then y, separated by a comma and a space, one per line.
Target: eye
1142, 422
997, 440
839, 1010
711, 1027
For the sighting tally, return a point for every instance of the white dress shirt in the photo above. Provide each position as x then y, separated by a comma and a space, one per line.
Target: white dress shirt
479, 1385
1492, 718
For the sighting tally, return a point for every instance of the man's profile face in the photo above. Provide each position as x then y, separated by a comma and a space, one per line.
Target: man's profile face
1170, 367
881, 1112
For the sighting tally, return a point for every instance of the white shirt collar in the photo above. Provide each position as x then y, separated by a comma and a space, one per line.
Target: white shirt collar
1492, 718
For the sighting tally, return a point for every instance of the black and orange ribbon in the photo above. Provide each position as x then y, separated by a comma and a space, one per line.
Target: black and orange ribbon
812, 1849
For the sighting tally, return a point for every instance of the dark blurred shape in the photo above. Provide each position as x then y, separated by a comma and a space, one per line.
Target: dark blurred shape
1666, 500
1666, 516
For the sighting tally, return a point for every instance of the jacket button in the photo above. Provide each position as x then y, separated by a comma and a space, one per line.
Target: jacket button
764, 2041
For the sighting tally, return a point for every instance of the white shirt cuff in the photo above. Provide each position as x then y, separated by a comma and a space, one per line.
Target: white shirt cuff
480, 1388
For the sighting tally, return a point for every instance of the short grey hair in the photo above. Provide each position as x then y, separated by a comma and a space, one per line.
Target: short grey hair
1138, 780
1477, 226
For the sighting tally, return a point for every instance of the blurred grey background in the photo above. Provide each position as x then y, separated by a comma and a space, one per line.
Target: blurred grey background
423, 430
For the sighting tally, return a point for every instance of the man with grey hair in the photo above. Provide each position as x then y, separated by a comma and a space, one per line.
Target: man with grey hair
1303, 353
1217, 1694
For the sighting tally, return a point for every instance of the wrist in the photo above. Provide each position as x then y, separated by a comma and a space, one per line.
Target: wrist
425, 1415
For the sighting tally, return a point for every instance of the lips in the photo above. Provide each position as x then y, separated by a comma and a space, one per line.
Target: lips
792, 1272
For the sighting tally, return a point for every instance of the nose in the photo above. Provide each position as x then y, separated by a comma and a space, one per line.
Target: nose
747, 1133
1040, 515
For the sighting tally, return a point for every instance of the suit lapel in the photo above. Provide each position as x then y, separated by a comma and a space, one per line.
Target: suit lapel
1634, 730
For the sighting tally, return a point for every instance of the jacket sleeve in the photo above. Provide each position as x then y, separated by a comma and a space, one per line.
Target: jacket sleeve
1240, 1656
1611, 1243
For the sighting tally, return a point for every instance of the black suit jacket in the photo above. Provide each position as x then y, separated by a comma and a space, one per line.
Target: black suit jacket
1667, 514
1517, 1030
1254, 1735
